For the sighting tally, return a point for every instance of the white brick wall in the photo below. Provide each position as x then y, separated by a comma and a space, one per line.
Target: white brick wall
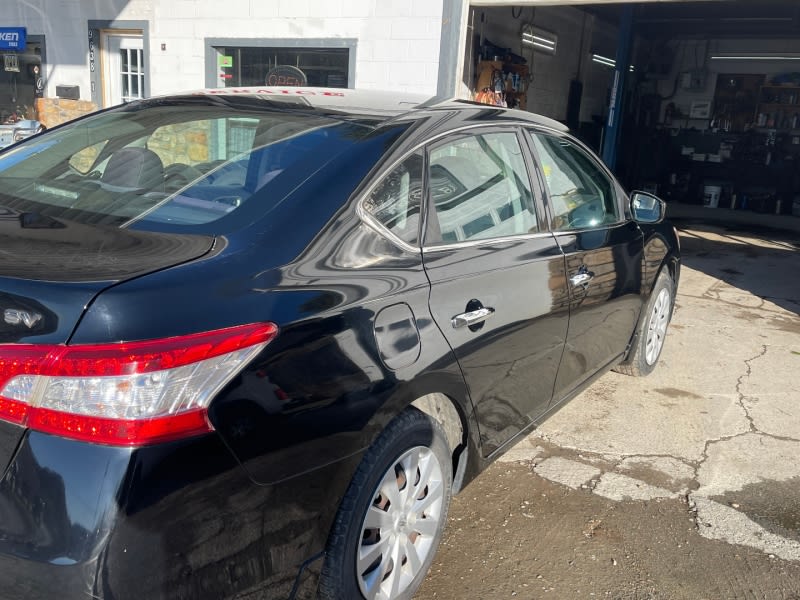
397, 48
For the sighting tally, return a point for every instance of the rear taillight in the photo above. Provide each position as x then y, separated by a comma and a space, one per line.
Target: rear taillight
125, 394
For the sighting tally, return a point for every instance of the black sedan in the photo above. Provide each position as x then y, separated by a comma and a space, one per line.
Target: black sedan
254, 339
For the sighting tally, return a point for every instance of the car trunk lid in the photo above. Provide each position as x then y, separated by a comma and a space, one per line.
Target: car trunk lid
51, 270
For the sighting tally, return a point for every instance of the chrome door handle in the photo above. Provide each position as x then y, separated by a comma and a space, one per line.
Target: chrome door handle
581, 278
472, 317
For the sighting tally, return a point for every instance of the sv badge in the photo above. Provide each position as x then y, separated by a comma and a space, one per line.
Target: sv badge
14, 316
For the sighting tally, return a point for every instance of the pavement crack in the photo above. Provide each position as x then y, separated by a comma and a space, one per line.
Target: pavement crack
711, 295
619, 458
740, 401
782, 438
740, 381
724, 438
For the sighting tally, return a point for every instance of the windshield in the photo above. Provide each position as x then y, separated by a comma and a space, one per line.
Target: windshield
171, 166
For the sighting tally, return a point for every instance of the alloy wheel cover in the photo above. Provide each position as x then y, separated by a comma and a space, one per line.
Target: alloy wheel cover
399, 530
657, 326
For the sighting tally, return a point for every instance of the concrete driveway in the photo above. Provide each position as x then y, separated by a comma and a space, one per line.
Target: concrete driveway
715, 428
720, 418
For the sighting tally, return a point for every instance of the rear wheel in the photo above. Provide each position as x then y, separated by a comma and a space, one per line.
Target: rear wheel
652, 331
393, 515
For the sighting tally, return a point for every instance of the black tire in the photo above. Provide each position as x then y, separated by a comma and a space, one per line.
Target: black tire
652, 329
411, 434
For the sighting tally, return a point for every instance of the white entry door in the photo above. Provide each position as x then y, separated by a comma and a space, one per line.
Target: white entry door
123, 70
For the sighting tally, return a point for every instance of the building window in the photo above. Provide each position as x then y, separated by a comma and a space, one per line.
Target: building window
19, 73
132, 72
251, 66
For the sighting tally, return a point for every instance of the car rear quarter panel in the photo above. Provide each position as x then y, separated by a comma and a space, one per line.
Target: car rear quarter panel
59, 500
179, 520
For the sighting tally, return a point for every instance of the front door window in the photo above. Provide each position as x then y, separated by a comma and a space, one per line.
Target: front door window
581, 194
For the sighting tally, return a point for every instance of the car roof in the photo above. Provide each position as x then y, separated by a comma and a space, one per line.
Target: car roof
376, 105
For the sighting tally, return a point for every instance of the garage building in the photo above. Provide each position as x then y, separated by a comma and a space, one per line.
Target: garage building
705, 109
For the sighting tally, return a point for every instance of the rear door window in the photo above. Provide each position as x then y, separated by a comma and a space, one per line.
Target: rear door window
480, 189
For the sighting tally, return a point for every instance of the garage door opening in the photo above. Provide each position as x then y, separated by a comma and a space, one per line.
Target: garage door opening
709, 109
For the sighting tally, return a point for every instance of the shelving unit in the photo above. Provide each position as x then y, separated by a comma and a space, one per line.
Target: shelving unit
489, 71
778, 107
736, 98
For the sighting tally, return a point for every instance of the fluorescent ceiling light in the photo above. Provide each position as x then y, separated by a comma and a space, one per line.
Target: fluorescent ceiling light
539, 40
607, 62
756, 56
604, 60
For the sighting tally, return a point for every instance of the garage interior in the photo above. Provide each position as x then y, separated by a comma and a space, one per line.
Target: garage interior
707, 113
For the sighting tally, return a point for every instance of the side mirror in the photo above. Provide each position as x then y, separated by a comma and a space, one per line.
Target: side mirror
647, 208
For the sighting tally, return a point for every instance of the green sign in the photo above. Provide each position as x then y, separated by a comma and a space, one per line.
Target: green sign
224, 62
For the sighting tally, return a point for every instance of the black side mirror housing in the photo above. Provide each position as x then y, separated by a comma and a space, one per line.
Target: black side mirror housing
647, 208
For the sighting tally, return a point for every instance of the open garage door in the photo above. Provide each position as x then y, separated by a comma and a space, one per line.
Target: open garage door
708, 110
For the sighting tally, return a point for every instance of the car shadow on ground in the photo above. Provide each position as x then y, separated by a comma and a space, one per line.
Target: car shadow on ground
764, 262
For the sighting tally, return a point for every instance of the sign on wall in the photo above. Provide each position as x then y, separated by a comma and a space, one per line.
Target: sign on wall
93, 74
13, 38
11, 63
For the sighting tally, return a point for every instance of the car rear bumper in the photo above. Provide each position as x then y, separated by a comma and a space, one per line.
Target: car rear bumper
179, 520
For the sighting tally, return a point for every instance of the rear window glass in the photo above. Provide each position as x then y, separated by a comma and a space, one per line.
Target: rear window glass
174, 166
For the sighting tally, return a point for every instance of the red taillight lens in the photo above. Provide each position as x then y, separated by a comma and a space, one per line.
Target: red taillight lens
126, 394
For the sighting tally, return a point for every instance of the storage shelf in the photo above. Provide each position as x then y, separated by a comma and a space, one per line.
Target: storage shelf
486, 68
779, 104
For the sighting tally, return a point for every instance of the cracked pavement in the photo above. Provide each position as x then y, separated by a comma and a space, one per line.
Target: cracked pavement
717, 422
